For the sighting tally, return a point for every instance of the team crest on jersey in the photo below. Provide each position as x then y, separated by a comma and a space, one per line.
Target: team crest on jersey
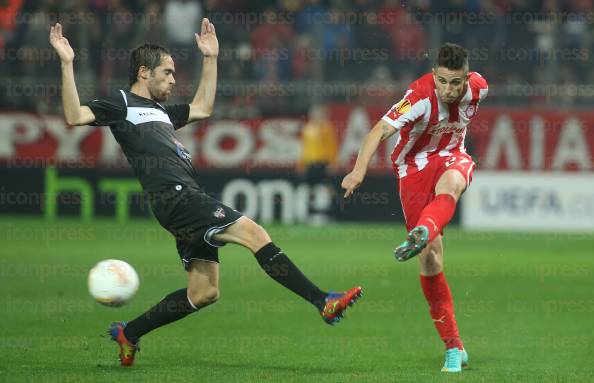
470, 111
399, 109
181, 150
219, 213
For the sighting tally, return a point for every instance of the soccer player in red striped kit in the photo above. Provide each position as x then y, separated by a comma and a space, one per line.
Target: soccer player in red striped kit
433, 170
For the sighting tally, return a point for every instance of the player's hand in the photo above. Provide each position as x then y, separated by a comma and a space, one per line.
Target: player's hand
207, 39
352, 181
61, 44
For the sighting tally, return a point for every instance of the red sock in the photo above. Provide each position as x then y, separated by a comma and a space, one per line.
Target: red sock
441, 308
437, 214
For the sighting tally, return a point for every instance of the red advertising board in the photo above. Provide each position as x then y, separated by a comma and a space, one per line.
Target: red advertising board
498, 139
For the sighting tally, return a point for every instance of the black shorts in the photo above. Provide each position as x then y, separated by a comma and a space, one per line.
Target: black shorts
316, 174
193, 217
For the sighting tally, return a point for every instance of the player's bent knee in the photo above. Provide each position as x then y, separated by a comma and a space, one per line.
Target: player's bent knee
256, 236
260, 237
452, 183
204, 297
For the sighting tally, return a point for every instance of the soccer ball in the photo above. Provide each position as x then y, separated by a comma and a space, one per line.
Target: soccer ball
112, 282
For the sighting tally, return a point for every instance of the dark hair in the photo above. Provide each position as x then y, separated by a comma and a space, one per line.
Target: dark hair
453, 57
148, 55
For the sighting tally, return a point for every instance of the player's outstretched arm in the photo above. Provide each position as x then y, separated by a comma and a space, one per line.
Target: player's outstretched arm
381, 131
203, 102
75, 113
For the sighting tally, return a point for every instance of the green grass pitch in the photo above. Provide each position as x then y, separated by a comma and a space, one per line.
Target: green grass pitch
525, 308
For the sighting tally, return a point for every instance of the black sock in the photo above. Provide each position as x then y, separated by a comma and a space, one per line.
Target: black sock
280, 268
173, 307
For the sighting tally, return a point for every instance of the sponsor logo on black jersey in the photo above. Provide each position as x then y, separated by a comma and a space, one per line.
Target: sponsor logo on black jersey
219, 213
181, 150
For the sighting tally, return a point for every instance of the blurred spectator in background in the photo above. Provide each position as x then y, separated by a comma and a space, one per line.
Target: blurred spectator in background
33, 44
116, 40
408, 41
182, 19
319, 147
8, 11
336, 43
303, 63
381, 90
86, 36
318, 162
151, 26
372, 39
271, 44
310, 17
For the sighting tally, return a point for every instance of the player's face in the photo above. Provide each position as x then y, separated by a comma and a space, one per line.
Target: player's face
450, 84
161, 81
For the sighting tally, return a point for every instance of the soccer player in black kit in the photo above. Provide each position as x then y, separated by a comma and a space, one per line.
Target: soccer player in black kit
200, 224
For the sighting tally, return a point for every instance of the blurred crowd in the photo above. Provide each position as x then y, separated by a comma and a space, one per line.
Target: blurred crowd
283, 55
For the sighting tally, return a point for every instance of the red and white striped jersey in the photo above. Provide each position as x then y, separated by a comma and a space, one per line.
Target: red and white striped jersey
428, 127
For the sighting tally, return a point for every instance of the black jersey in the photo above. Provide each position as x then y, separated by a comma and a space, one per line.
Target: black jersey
145, 131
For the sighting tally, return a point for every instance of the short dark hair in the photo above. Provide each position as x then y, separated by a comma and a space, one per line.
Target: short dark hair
148, 55
453, 57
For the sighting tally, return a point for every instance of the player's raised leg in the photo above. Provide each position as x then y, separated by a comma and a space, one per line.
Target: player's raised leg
441, 305
435, 216
202, 290
279, 267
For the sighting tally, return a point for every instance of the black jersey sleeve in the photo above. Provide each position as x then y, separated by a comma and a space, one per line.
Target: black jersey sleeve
178, 114
108, 111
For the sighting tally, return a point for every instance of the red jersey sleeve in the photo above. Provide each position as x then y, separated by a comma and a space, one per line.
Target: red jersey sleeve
408, 110
479, 83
